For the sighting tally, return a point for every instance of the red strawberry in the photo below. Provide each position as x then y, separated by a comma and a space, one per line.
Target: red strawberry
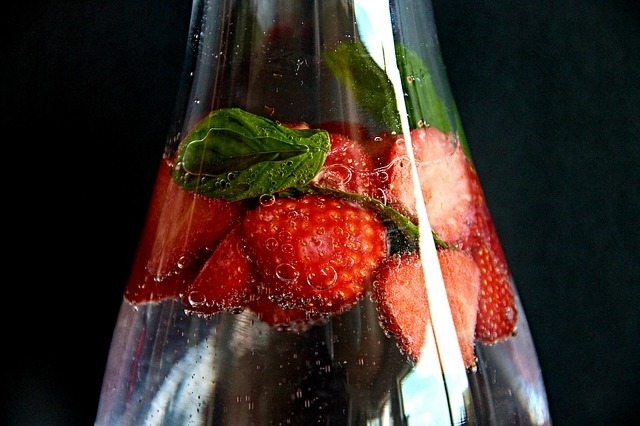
401, 295
379, 148
181, 229
226, 282
315, 253
141, 285
497, 314
284, 319
188, 224
400, 291
441, 165
461, 277
347, 167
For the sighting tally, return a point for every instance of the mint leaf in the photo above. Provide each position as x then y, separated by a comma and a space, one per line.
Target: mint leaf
233, 155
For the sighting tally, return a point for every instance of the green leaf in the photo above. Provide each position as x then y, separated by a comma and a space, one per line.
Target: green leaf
354, 67
233, 155
424, 104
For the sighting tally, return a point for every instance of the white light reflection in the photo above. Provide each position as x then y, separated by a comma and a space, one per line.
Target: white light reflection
441, 356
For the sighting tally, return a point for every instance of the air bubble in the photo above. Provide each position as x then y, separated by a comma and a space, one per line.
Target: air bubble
196, 299
382, 176
509, 314
325, 279
267, 200
184, 261
271, 244
287, 272
284, 236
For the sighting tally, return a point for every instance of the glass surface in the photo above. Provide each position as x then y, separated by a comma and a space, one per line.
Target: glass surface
318, 248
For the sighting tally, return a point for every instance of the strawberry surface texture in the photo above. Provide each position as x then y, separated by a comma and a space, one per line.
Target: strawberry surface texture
401, 294
314, 253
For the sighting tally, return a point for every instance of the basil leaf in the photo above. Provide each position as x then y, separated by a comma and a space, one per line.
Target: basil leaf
424, 104
355, 69
233, 155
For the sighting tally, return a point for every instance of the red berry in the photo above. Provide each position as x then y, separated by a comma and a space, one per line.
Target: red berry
293, 319
462, 282
180, 230
226, 282
497, 313
315, 253
401, 295
441, 165
188, 223
347, 167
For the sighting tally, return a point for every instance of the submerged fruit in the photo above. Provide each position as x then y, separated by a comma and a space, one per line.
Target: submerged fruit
441, 167
309, 250
315, 253
497, 313
226, 281
181, 229
401, 294
348, 167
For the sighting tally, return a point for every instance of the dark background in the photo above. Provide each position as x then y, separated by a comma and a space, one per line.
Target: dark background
549, 95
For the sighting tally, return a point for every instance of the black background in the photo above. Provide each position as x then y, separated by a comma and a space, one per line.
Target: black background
549, 95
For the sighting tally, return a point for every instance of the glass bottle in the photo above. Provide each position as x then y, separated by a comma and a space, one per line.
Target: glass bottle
318, 249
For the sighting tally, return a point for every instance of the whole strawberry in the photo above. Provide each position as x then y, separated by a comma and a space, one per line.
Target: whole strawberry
315, 253
497, 310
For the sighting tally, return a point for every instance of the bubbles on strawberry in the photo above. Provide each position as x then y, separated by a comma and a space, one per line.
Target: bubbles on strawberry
315, 253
